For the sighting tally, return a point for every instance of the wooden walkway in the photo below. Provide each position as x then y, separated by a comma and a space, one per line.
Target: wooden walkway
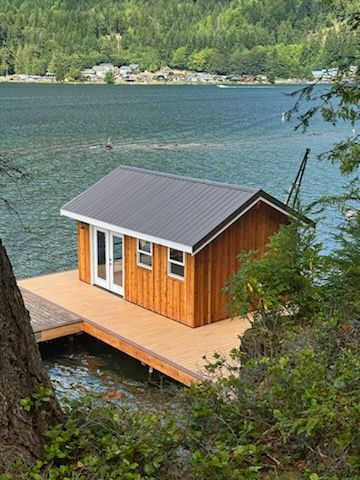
169, 347
49, 321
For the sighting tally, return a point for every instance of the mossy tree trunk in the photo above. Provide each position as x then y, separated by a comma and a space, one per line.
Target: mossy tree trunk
21, 374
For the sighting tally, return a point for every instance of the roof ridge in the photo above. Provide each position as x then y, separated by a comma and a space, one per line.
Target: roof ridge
188, 179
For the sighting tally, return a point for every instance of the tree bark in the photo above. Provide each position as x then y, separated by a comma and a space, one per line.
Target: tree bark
21, 374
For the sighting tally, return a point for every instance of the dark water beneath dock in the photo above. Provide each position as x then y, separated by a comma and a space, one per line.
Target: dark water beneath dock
86, 366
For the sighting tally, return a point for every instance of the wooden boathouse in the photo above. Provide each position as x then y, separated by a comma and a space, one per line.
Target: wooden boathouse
161, 248
168, 243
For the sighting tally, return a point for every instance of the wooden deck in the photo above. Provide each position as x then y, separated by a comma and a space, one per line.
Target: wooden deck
49, 321
169, 347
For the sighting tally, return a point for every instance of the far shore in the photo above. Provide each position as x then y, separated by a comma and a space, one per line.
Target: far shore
46, 81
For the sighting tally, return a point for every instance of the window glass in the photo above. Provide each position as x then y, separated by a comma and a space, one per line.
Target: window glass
144, 253
145, 259
176, 255
176, 269
144, 246
117, 265
101, 254
176, 263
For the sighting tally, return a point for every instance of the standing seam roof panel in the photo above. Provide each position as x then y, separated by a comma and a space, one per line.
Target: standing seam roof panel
165, 206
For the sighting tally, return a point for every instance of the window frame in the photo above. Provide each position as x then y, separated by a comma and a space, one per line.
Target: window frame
140, 252
175, 262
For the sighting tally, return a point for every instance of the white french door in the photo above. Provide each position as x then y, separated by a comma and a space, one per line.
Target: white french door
109, 260
116, 263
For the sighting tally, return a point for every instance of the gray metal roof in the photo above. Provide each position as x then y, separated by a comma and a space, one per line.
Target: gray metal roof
172, 208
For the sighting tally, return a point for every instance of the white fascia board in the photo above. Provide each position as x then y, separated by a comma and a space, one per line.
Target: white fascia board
258, 199
126, 231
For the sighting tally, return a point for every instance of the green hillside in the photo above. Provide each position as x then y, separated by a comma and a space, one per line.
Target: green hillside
282, 38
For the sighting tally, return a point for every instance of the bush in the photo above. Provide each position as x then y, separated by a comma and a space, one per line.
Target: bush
109, 77
287, 407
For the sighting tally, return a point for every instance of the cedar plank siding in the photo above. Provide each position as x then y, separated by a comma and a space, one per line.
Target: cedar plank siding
217, 262
154, 289
198, 299
84, 251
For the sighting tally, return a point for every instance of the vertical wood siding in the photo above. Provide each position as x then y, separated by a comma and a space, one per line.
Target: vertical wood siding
155, 289
217, 262
84, 251
199, 298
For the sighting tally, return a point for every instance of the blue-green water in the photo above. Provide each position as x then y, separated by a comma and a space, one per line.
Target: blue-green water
57, 133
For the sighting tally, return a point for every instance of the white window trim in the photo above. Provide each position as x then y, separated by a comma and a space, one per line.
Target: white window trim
143, 252
175, 262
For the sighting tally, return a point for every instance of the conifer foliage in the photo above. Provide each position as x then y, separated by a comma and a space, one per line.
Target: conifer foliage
281, 38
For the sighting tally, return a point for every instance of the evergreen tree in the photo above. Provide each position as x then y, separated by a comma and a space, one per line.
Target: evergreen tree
202, 35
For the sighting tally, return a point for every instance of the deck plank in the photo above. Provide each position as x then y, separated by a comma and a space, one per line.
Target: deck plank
61, 299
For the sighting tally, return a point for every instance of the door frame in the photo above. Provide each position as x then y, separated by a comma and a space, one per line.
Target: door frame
112, 285
107, 284
97, 280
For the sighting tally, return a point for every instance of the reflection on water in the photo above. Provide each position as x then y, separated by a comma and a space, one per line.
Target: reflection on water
87, 366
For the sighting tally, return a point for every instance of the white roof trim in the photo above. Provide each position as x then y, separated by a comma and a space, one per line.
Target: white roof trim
258, 199
168, 243
126, 231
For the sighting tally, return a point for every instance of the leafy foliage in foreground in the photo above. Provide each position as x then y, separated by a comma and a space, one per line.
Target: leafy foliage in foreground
288, 407
296, 395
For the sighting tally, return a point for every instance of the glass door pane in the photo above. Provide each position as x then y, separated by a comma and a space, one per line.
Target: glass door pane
117, 260
101, 255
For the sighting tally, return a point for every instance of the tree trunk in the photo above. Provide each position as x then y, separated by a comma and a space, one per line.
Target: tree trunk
21, 374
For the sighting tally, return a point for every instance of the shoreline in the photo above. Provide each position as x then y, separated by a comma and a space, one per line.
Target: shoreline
223, 84
194, 84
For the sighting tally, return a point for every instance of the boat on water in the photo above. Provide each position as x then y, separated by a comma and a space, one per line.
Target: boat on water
229, 86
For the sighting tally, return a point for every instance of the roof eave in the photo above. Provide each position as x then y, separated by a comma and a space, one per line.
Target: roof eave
258, 196
126, 231
288, 210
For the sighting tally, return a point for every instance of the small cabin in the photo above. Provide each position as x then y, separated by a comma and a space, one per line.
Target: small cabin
170, 243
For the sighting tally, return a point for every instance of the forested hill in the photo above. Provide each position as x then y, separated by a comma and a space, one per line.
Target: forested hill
284, 38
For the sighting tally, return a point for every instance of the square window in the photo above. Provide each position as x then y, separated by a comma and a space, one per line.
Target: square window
144, 254
144, 246
176, 264
177, 270
177, 255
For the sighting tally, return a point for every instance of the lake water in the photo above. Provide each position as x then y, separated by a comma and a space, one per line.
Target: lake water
86, 366
57, 134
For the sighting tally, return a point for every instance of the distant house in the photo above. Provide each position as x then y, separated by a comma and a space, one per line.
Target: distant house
129, 78
325, 73
101, 70
179, 77
88, 74
353, 70
124, 71
145, 77
134, 68
234, 78
261, 78
169, 243
50, 76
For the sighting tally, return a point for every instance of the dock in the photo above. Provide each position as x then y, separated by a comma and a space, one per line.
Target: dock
60, 304
48, 320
